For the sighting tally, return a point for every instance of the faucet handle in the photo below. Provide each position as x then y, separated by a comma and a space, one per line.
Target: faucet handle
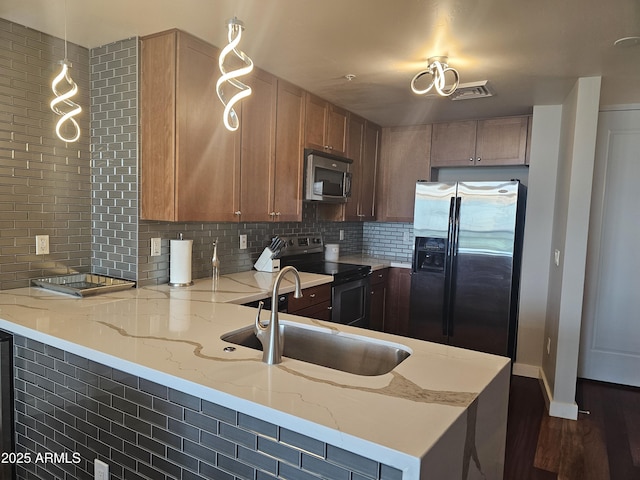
259, 325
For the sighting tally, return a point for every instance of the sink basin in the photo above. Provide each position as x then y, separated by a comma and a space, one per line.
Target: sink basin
338, 350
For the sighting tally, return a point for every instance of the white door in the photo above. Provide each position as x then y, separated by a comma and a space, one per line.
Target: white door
610, 343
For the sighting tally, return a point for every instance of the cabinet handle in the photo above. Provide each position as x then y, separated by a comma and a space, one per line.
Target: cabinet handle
313, 295
380, 275
478, 159
271, 214
237, 212
329, 308
277, 214
471, 159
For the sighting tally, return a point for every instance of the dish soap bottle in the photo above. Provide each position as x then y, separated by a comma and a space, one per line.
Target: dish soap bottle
215, 266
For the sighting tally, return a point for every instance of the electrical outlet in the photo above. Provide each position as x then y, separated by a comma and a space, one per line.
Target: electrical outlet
100, 470
548, 345
156, 247
406, 237
243, 242
556, 257
341, 234
42, 244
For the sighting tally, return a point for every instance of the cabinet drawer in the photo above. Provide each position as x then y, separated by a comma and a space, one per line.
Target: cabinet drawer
320, 311
379, 276
311, 296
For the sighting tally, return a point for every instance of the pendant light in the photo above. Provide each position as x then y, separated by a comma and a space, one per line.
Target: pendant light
437, 70
62, 104
230, 118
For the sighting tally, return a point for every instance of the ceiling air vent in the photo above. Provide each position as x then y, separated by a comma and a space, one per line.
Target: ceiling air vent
472, 90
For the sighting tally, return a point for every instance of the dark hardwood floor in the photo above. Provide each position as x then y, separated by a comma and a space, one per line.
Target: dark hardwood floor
603, 444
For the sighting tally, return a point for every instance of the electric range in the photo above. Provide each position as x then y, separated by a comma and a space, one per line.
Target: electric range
350, 289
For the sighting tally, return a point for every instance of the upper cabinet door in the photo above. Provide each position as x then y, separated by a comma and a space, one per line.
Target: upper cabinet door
502, 141
404, 161
289, 163
370, 159
207, 154
325, 126
355, 150
258, 148
189, 162
453, 144
337, 130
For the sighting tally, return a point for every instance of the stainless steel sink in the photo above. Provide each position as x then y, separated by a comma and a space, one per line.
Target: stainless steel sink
338, 350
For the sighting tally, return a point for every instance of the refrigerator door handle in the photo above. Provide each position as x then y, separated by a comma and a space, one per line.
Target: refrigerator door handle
453, 274
446, 305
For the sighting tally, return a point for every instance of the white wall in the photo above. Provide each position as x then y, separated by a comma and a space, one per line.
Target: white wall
534, 283
569, 236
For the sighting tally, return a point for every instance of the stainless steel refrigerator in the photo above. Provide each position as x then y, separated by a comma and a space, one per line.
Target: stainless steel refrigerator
466, 264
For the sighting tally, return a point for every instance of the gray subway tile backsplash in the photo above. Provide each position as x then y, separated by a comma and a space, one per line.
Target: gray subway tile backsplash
88, 408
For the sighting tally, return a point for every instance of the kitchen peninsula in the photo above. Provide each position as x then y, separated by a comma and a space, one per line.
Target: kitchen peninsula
141, 379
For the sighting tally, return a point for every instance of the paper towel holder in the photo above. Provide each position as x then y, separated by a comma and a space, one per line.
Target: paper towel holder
182, 278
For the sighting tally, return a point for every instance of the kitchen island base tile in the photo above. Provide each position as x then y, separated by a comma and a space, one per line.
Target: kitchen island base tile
66, 404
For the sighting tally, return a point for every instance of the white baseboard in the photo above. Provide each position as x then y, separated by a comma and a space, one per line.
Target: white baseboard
555, 408
525, 370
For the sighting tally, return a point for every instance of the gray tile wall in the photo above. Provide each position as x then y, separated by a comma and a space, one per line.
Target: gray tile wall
143, 430
155, 270
114, 157
392, 241
44, 183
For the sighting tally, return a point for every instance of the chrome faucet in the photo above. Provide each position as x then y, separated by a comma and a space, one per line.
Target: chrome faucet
269, 334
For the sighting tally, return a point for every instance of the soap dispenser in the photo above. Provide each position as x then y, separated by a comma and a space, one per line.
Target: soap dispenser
215, 266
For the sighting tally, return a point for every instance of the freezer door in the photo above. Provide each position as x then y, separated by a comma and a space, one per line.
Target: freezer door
428, 313
483, 265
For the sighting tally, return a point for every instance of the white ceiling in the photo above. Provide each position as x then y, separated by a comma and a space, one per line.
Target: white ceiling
531, 52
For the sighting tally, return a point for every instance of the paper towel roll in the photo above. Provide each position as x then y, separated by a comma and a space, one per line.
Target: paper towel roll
180, 263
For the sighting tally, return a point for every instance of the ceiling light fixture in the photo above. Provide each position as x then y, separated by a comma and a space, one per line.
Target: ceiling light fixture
437, 70
65, 98
230, 117
625, 42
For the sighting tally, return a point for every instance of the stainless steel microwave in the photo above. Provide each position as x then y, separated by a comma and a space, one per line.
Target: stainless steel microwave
327, 177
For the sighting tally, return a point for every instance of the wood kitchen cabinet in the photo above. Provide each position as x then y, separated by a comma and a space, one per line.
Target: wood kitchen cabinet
490, 142
378, 299
363, 147
257, 152
271, 152
397, 301
314, 303
325, 126
404, 160
189, 162
289, 164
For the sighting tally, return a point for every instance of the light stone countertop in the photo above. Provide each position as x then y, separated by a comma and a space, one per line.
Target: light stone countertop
374, 262
171, 335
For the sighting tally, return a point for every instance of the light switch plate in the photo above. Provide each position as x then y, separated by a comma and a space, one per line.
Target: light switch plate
156, 247
243, 242
100, 470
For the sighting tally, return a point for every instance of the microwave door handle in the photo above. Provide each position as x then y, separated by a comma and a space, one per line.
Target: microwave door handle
347, 184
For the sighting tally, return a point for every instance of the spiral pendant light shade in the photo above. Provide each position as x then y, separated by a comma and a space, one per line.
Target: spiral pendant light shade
230, 78
63, 105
